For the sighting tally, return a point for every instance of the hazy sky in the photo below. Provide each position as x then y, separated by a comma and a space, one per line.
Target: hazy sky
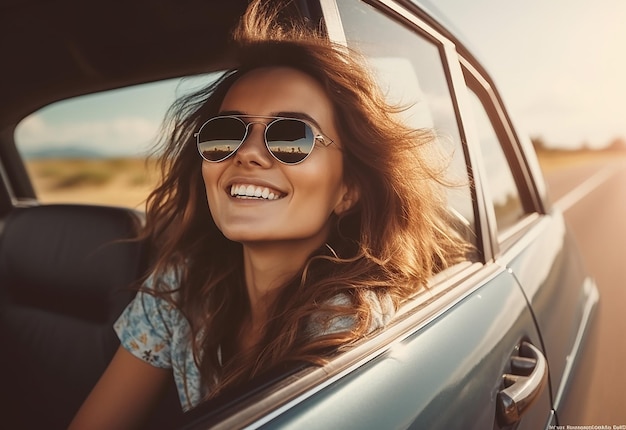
112, 123
559, 64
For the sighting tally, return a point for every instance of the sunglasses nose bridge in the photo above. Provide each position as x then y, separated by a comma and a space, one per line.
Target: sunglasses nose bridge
249, 130
245, 146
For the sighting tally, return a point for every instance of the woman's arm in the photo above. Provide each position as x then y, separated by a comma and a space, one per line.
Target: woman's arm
124, 396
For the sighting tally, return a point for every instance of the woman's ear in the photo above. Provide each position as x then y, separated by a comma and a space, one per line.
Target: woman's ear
350, 198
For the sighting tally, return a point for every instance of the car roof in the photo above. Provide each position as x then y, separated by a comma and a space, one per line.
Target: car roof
63, 48
58, 49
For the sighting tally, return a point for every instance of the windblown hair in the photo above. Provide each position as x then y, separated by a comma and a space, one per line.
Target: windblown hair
388, 244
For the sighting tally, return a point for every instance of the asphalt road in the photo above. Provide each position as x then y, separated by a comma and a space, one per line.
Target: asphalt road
593, 197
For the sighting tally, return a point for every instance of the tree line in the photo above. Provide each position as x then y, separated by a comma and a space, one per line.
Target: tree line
616, 144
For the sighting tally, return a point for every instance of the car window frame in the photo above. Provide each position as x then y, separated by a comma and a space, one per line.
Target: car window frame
478, 81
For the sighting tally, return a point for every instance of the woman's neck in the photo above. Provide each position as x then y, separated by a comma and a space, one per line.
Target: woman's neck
267, 267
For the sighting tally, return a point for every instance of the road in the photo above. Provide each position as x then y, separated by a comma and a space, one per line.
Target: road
593, 197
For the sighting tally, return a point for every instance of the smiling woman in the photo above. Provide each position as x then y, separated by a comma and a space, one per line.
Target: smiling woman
264, 260
308, 193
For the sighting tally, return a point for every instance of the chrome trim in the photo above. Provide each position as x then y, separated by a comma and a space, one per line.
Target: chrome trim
514, 144
334, 26
593, 297
413, 19
485, 215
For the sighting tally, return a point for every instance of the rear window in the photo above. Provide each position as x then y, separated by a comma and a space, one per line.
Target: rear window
93, 149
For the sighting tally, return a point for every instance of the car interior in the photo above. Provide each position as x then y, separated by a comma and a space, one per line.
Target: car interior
68, 270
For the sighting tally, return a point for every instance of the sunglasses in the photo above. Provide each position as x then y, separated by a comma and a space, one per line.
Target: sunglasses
289, 140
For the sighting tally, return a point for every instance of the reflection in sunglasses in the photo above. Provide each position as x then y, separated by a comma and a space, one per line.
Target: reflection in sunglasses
289, 140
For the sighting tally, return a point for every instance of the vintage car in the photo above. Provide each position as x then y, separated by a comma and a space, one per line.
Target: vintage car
492, 343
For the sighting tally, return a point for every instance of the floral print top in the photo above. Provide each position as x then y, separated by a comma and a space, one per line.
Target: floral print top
155, 331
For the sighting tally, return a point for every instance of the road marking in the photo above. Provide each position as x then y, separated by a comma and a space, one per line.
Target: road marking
578, 193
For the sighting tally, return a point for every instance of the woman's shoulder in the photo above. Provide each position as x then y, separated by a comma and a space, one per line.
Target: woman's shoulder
166, 281
156, 302
381, 307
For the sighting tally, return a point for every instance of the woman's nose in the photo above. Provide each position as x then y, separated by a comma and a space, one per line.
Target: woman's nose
253, 150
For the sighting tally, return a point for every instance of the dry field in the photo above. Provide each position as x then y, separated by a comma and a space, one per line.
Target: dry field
553, 160
110, 181
128, 181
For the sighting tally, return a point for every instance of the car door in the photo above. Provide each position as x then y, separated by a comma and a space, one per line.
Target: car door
465, 354
531, 239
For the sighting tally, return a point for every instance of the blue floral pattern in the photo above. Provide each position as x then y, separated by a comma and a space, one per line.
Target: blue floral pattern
156, 332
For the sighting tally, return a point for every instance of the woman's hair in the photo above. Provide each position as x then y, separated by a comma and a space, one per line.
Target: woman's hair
389, 243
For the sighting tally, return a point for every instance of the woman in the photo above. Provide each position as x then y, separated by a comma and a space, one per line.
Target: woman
311, 215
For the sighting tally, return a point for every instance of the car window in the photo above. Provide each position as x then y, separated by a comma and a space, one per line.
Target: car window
93, 148
411, 71
506, 199
505, 180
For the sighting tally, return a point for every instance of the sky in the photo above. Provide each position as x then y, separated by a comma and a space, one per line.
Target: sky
124, 122
558, 64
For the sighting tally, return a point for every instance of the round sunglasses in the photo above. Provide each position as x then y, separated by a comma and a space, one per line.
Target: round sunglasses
289, 140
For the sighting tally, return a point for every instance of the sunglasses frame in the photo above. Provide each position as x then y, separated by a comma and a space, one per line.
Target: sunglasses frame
318, 136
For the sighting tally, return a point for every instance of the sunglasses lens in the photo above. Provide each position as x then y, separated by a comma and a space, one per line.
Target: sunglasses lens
220, 137
289, 140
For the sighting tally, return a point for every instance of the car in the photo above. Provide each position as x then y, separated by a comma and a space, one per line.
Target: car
492, 343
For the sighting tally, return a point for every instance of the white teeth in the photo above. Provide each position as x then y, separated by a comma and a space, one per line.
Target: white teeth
252, 192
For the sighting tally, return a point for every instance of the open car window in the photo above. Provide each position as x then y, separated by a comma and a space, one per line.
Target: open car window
411, 70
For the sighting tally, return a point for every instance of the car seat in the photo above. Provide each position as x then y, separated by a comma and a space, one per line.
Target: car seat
65, 273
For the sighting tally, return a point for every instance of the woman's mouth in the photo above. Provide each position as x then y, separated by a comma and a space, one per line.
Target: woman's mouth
249, 191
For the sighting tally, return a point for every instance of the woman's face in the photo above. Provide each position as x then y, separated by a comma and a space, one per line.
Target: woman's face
304, 195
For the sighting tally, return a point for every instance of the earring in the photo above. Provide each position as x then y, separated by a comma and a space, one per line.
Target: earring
331, 250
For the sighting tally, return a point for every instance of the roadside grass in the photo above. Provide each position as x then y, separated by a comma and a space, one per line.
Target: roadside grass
550, 160
108, 181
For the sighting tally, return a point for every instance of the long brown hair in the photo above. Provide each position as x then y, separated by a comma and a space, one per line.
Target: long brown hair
388, 244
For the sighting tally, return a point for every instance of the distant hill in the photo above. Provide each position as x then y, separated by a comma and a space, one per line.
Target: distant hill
66, 152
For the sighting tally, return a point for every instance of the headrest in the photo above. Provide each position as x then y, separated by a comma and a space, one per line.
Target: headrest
71, 259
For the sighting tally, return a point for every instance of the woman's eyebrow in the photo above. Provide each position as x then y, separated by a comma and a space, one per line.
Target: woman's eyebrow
230, 112
299, 115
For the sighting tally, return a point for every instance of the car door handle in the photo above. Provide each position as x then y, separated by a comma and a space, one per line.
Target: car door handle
528, 378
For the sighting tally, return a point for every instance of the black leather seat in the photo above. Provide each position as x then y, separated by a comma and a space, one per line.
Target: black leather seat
64, 277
